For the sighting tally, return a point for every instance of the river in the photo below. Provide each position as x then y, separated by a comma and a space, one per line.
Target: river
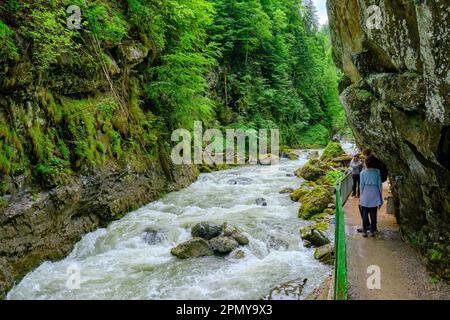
117, 263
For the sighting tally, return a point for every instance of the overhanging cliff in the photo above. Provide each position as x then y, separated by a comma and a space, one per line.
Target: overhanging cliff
397, 104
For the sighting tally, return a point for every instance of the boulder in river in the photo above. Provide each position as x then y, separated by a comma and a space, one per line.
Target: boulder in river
261, 202
153, 236
297, 194
286, 190
314, 236
291, 290
238, 254
314, 202
325, 254
196, 247
313, 154
313, 170
235, 233
223, 245
206, 230
240, 181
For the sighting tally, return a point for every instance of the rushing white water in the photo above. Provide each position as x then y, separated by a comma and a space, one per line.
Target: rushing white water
116, 262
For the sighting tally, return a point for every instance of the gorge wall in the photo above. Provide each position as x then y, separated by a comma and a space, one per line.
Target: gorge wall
396, 94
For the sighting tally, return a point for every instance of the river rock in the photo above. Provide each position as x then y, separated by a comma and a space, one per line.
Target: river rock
297, 194
261, 202
237, 254
223, 245
240, 181
291, 290
314, 236
196, 247
313, 155
325, 254
286, 190
152, 236
235, 233
313, 170
206, 230
314, 202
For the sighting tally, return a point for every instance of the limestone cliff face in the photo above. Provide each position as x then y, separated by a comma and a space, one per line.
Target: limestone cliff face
398, 106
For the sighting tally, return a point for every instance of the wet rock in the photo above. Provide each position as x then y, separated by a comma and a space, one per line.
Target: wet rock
313, 155
314, 202
236, 234
297, 194
286, 190
152, 236
314, 236
223, 245
240, 181
313, 170
206, 230
325, 254
238, 254
289, 154
132, 52
261, 202
291, 290
196, 247
277, 243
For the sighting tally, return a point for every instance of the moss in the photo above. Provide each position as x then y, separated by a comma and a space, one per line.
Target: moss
314, 202
333, 150
2, 202
313, 170
297, 194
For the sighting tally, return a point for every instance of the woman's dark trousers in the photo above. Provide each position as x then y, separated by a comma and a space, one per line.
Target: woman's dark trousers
356, 185
372, 223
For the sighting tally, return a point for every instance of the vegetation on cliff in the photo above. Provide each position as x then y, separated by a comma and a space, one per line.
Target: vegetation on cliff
110, 92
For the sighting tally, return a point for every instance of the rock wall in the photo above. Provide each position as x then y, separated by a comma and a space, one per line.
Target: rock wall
46, 225
397, 100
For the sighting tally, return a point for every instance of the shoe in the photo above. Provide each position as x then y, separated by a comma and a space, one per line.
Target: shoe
365, 235
360, 230
372, 234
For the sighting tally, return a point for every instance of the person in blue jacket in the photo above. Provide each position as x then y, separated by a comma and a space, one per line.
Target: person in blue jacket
371, 196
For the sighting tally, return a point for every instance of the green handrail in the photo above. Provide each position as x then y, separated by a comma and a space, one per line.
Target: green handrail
340, 264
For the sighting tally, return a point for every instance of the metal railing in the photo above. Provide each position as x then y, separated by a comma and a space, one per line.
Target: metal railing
343, 190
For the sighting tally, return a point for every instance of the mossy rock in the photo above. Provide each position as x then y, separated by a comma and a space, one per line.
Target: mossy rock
196, 247
314, 202
297, 194
223, 245
325, 254
311, 171
314, 236
206, 230
333, 150
329, 211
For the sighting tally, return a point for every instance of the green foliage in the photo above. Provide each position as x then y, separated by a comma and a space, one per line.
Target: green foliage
8, 47
317, 135
47, 29
105, 22
277, 67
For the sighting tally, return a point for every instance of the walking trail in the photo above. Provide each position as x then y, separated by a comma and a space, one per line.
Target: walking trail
403, 275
